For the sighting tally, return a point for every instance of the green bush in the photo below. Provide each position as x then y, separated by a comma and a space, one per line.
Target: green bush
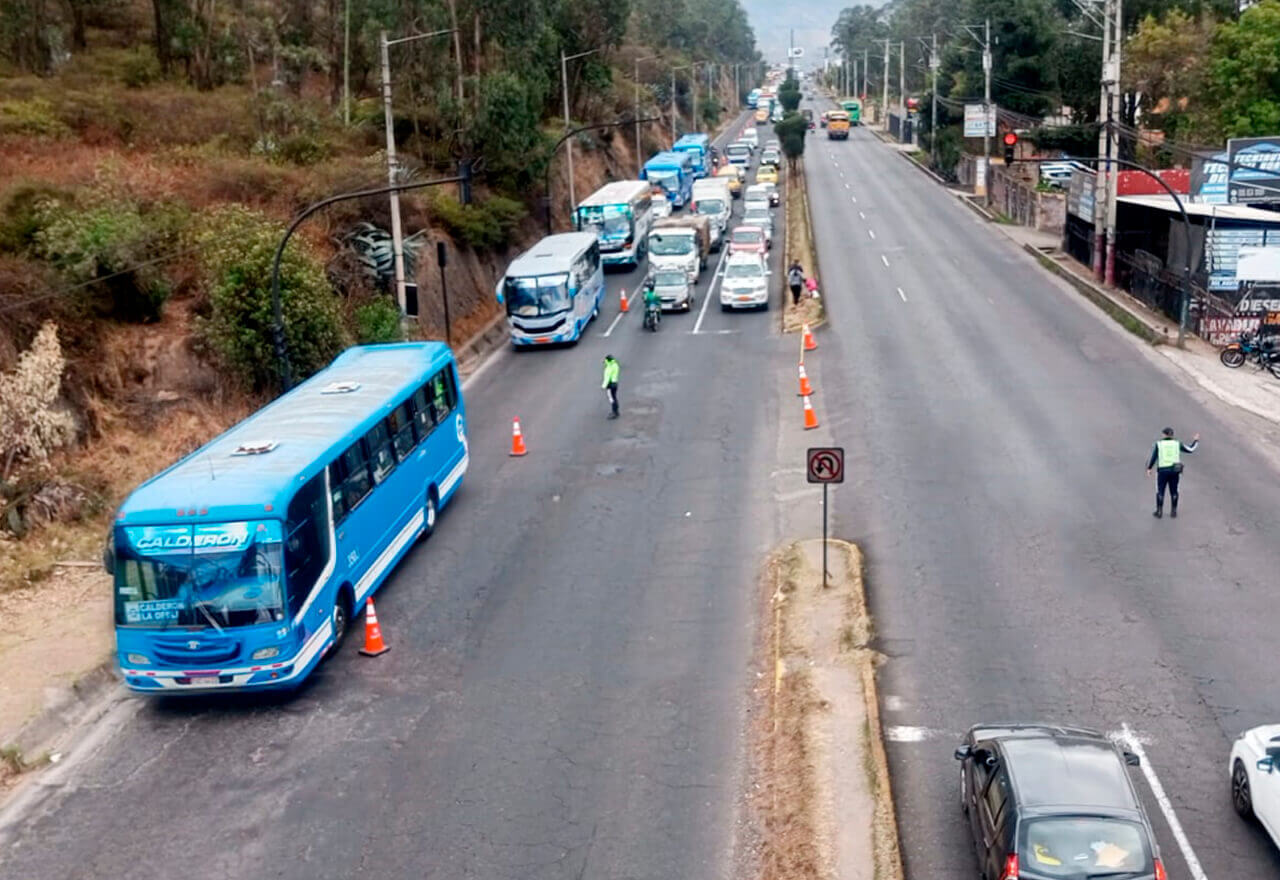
377, 320
480, 226
237, 247
20, 215
112, 247
303, 150
140, 69
35, 117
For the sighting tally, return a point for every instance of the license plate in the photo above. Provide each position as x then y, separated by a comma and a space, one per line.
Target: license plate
743, 299
204, 680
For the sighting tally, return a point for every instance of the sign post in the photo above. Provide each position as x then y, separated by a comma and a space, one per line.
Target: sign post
825, 466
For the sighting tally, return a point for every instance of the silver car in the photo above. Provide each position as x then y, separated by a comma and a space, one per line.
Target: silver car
673, 289
762, 217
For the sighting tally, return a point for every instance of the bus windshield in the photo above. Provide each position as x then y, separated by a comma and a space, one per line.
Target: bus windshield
665, 179
608, 222
218, 575
537, 295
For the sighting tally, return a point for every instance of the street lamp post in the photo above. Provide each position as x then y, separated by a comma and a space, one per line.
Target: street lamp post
571, 133
564, 81
674, 109
397, 234
636, 112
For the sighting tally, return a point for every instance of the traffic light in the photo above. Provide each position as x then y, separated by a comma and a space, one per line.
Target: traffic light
1010, 142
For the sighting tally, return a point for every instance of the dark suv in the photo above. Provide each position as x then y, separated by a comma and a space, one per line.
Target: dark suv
1053, 803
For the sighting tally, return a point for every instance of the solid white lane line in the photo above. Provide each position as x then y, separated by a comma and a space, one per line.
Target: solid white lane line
616, 319
1166, 806
872, 233
711, 288
901, 294
884, 260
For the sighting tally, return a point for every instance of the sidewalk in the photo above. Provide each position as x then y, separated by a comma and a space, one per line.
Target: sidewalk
1246, 388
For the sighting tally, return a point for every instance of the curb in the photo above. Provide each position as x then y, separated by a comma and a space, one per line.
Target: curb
972, 204
472, 353
41, 734
1114, 308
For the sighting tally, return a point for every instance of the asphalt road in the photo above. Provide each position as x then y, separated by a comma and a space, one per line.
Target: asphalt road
566, 690
998, 428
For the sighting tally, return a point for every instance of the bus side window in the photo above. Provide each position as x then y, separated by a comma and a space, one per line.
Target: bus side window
424, 415
336, 493
401, 424
381, 456
306, 548
441, 387
355, 480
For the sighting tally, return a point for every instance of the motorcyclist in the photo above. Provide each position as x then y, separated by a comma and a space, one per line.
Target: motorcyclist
652, 304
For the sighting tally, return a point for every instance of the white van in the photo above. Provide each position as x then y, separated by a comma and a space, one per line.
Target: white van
713, 199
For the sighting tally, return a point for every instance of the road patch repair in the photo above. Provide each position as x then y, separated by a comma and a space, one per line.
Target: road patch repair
818, 782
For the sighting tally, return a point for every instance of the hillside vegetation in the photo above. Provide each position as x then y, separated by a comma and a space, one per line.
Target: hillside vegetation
151, 154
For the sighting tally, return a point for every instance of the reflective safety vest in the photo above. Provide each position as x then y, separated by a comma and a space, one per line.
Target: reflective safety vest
1168, 452
611, 371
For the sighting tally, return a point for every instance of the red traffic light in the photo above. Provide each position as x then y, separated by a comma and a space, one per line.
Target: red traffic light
1010, 139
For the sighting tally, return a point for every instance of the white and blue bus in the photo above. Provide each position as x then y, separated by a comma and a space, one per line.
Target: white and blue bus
243, 564
620, 214
698, 146
554, 289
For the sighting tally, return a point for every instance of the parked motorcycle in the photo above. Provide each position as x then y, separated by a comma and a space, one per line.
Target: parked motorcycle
1264, 352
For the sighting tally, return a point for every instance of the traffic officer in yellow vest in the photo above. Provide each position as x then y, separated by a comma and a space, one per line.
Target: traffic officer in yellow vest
1166, 458
610, 384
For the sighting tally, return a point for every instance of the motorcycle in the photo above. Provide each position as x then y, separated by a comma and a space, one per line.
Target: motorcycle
652, 316
1264, 352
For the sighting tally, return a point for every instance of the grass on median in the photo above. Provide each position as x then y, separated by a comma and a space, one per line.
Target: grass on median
800, 247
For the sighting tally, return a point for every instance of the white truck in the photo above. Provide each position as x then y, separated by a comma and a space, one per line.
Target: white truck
713, 199
680, 243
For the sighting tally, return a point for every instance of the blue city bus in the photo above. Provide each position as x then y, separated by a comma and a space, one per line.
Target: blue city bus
698, 146
242, 565
753, 97
672, 174
553, 290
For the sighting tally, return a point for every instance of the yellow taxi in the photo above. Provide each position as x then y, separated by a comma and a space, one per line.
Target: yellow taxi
767, 174
762, 115
736, 177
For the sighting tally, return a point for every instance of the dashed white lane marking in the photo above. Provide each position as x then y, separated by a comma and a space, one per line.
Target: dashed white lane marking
884, 260
894, 703
905, 733
846, 186
872, 233
855, 199
901, 294
613, 324
862, 215
1134, 744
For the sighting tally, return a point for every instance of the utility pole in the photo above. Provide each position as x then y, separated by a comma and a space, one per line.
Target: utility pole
392, 164
693, 86
902, 78
397, 234
673, 106
884, 108
346, 65
564, 81
1104, 251
866, 72
636, 114
986, 114
934, 66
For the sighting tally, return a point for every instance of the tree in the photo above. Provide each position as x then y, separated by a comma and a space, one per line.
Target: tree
789, 94
791, 132
1165, 64
1243, 72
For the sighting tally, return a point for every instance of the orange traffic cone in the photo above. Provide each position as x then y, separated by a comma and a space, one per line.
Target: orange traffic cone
810, 417
809, 342
373, 643
625, 307
517, 439
805, 388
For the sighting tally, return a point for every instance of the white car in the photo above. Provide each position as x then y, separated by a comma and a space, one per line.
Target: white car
745, 283
751, 137
756, 195
1255, 777
661, 206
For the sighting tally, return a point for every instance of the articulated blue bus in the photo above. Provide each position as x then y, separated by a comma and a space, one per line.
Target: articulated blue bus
553, 290
243, 564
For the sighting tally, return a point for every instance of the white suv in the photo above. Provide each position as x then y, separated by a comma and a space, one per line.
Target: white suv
751, 137
1255, 777
745, 283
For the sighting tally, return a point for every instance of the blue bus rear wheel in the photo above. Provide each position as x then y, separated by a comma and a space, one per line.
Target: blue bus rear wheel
430, 514
341, 622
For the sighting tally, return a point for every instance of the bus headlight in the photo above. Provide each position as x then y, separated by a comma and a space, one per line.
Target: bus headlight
266, 653
137, 660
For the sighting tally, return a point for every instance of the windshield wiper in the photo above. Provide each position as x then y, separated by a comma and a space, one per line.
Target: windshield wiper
199, 606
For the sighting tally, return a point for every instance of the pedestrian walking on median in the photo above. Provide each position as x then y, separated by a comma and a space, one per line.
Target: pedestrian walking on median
1166, 458
611, 370
795, 278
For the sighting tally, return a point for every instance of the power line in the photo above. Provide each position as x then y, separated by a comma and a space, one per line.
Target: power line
164, 258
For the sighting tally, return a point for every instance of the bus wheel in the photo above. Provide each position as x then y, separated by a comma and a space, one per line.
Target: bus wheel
341, 623
430, 514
